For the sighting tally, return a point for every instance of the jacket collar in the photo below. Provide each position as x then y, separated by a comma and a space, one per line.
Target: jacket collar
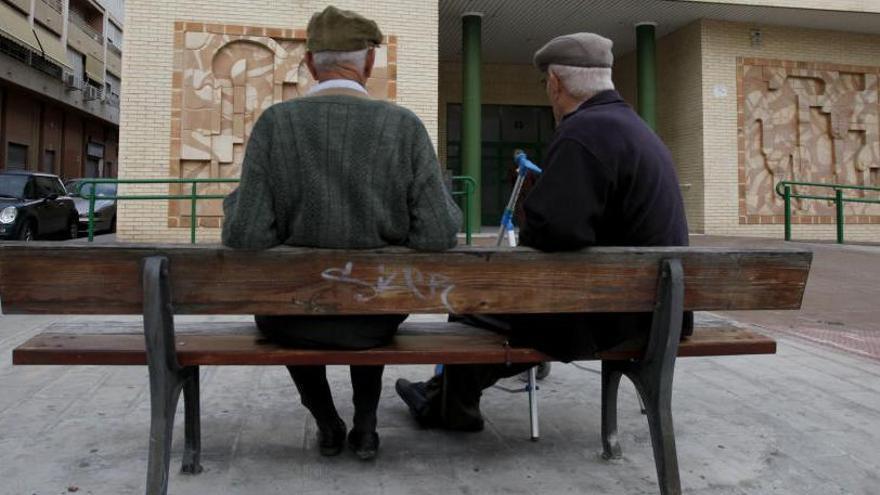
603, 98
338, 87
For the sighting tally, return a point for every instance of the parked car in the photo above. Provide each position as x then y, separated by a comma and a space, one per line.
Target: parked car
35, 205
105, 209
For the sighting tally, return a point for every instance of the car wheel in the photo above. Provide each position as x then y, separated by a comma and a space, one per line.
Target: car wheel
72, 228
28, 233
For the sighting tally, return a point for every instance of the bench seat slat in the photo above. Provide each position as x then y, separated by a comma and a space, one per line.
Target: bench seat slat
418, 344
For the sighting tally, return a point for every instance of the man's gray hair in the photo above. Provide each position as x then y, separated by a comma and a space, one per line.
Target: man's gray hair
329, 60
583, 82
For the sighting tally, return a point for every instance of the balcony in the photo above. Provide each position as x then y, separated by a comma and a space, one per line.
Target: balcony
114, 60
48, 13
77, 20
53, 4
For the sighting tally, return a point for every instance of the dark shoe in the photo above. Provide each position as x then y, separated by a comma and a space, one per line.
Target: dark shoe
331, 438
414, 395
365, 444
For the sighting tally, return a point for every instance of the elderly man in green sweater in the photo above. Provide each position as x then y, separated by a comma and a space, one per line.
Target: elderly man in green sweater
337, 169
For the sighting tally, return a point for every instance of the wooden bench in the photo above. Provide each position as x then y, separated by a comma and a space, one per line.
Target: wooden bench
161, 281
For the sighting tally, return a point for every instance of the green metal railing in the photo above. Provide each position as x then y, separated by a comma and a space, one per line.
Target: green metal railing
783, 188
194, 197
470, 185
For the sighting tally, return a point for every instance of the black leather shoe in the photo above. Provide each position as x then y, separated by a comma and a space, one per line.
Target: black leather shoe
331, 438
414, 395
365, 444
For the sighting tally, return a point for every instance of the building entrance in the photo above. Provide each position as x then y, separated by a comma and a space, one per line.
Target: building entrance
505, 128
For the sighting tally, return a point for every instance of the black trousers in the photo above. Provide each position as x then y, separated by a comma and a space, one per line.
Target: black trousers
454, 396
334, 332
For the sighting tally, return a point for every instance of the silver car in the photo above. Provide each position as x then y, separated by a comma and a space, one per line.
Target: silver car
105, 209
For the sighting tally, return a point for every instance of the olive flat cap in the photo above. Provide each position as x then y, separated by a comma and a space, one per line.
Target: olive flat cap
341, 31
577, 49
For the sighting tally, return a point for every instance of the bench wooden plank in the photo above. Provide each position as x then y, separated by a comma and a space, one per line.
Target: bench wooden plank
238, 344
214, 280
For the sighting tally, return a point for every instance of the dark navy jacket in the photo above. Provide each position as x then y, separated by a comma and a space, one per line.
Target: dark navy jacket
608, 180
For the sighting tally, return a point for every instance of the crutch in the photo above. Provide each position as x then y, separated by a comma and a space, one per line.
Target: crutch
524, 165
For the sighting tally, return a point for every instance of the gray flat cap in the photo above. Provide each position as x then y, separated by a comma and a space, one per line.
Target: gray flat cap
576, 49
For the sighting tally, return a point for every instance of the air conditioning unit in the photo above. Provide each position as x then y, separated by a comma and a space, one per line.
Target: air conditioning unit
70, 81
91, 93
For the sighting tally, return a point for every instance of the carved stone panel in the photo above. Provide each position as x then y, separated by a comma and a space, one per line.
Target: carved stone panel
807, 122
225, 77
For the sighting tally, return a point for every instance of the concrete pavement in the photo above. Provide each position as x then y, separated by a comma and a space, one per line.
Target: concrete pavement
802, 422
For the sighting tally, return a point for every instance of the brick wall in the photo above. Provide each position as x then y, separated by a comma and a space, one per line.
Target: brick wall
845, 5
145, 128
722, 43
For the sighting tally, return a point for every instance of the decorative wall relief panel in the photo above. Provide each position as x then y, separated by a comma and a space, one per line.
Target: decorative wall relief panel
225, 77
807, 122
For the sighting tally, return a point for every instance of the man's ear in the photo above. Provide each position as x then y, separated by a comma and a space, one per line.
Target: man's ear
310, 63
553, 85
371, 60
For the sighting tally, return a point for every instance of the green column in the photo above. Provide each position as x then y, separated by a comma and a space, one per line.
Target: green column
646, 55
471, 141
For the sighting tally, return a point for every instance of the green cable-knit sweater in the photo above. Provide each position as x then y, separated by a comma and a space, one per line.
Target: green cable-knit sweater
339, 170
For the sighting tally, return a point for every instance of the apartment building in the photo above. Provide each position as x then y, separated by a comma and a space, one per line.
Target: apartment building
60, 84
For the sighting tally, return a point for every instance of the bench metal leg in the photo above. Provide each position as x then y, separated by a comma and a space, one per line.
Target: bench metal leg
610, 384
163, 400
533, 403
167, 380
192, 426
652, 376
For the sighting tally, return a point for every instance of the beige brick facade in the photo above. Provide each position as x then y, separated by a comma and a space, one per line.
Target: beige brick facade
148, 65
697, 95
844, 5
722, 44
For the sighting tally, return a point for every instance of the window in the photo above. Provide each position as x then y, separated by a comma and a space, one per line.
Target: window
504, 128
45, 186
58, 187
16, 157
77, 62
48, 164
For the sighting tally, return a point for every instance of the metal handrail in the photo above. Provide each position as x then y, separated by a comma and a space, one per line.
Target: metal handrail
783, 188
470, 185
194, 197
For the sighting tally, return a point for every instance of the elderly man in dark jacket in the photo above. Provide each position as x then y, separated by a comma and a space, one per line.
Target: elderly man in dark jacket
608, 181
337, 169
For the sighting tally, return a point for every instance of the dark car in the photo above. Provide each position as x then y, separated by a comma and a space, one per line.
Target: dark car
105, 209
35, 205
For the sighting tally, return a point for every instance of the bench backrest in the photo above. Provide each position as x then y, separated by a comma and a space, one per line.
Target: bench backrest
48, 278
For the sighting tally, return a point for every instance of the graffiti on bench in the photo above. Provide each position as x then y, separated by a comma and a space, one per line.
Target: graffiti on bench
421, 285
